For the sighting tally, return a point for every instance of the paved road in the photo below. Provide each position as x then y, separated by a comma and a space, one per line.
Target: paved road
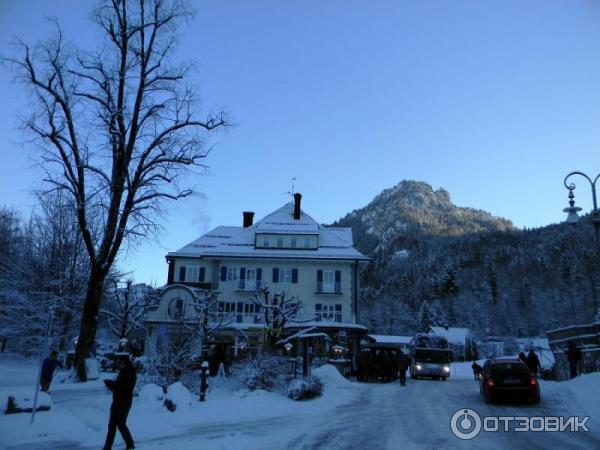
418, 417
379, 417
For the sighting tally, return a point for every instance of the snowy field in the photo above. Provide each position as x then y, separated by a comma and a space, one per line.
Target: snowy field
350, 415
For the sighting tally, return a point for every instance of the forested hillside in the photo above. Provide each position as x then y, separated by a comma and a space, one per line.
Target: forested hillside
436, 263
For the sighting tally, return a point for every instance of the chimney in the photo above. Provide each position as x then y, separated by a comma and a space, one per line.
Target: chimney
248, 218
297, 200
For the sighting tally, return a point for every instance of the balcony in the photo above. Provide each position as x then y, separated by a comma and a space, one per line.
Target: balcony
328, 288
248, 285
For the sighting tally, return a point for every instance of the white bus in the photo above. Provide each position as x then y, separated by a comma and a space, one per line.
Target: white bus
430, 357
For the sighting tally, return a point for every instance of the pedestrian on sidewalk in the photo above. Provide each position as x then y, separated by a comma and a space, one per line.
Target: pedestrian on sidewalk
476, 370
122, 389
403, 363
574, 356
48, 368
533, 362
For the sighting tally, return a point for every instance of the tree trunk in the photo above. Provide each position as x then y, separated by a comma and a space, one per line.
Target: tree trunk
89, 322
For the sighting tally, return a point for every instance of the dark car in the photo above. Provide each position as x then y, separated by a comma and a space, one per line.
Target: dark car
508, 379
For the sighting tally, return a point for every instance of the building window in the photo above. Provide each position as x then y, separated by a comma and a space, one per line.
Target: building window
293, 243
266, 242
232, 274
329, 281
306, 242
227, 307
279, 242
328, 313
285, 275
182, 271
192, 274
176, 309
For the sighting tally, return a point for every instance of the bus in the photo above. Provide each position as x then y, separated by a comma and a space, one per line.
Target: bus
430, 357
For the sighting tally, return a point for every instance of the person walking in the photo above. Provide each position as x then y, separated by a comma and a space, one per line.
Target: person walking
48, 368
533, 362
574, 356
122, 389
476, 370
402, 367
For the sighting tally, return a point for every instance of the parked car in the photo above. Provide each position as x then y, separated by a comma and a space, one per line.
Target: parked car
508, 378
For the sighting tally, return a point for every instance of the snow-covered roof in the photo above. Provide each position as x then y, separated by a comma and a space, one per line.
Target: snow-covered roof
226, 241
326, 324
452, 334
385, 339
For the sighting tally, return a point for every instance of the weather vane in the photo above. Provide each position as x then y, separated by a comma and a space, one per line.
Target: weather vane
291, 193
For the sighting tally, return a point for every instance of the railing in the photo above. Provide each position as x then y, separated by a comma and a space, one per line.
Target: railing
249, 285
329, 288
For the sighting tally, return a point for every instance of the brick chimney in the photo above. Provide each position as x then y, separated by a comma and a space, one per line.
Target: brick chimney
248, 218
297, 200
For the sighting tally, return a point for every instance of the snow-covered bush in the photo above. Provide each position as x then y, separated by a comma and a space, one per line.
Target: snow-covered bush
301, 389
21, 400
178, 398
151, 393
266, 372
149, 373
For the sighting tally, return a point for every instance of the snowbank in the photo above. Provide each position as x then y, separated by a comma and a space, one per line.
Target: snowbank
22, 401
178, 398
151, 393
330, 376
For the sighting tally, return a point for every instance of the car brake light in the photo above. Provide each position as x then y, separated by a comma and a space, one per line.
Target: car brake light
532, 381
491, 383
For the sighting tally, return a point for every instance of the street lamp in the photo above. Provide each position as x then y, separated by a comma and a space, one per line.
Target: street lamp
572, 210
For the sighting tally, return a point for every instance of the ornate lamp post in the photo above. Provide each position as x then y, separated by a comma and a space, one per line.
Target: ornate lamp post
572, 210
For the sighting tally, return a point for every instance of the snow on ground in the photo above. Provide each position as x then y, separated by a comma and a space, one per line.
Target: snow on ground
349, 416
79, 415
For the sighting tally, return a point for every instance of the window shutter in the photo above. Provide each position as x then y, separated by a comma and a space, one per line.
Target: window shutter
201, 274
182, 273
242, 273
259, 274
275, 275
171, 277
294, 275
223, 273
320, 276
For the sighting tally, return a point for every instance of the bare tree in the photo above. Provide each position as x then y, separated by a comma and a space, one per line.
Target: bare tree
186, 341
117, 130
126, 306
278, 310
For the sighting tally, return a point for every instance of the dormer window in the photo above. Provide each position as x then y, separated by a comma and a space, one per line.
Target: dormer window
286, 241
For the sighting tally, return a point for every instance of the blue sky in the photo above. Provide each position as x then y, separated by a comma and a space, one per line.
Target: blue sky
495, 101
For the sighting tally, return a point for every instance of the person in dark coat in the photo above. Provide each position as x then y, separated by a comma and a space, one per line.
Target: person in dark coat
122, 389
476, 370
533, 362
403, 363
523, 357
574, 356
48, 368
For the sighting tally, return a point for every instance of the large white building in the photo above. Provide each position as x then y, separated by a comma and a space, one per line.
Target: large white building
286, 251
